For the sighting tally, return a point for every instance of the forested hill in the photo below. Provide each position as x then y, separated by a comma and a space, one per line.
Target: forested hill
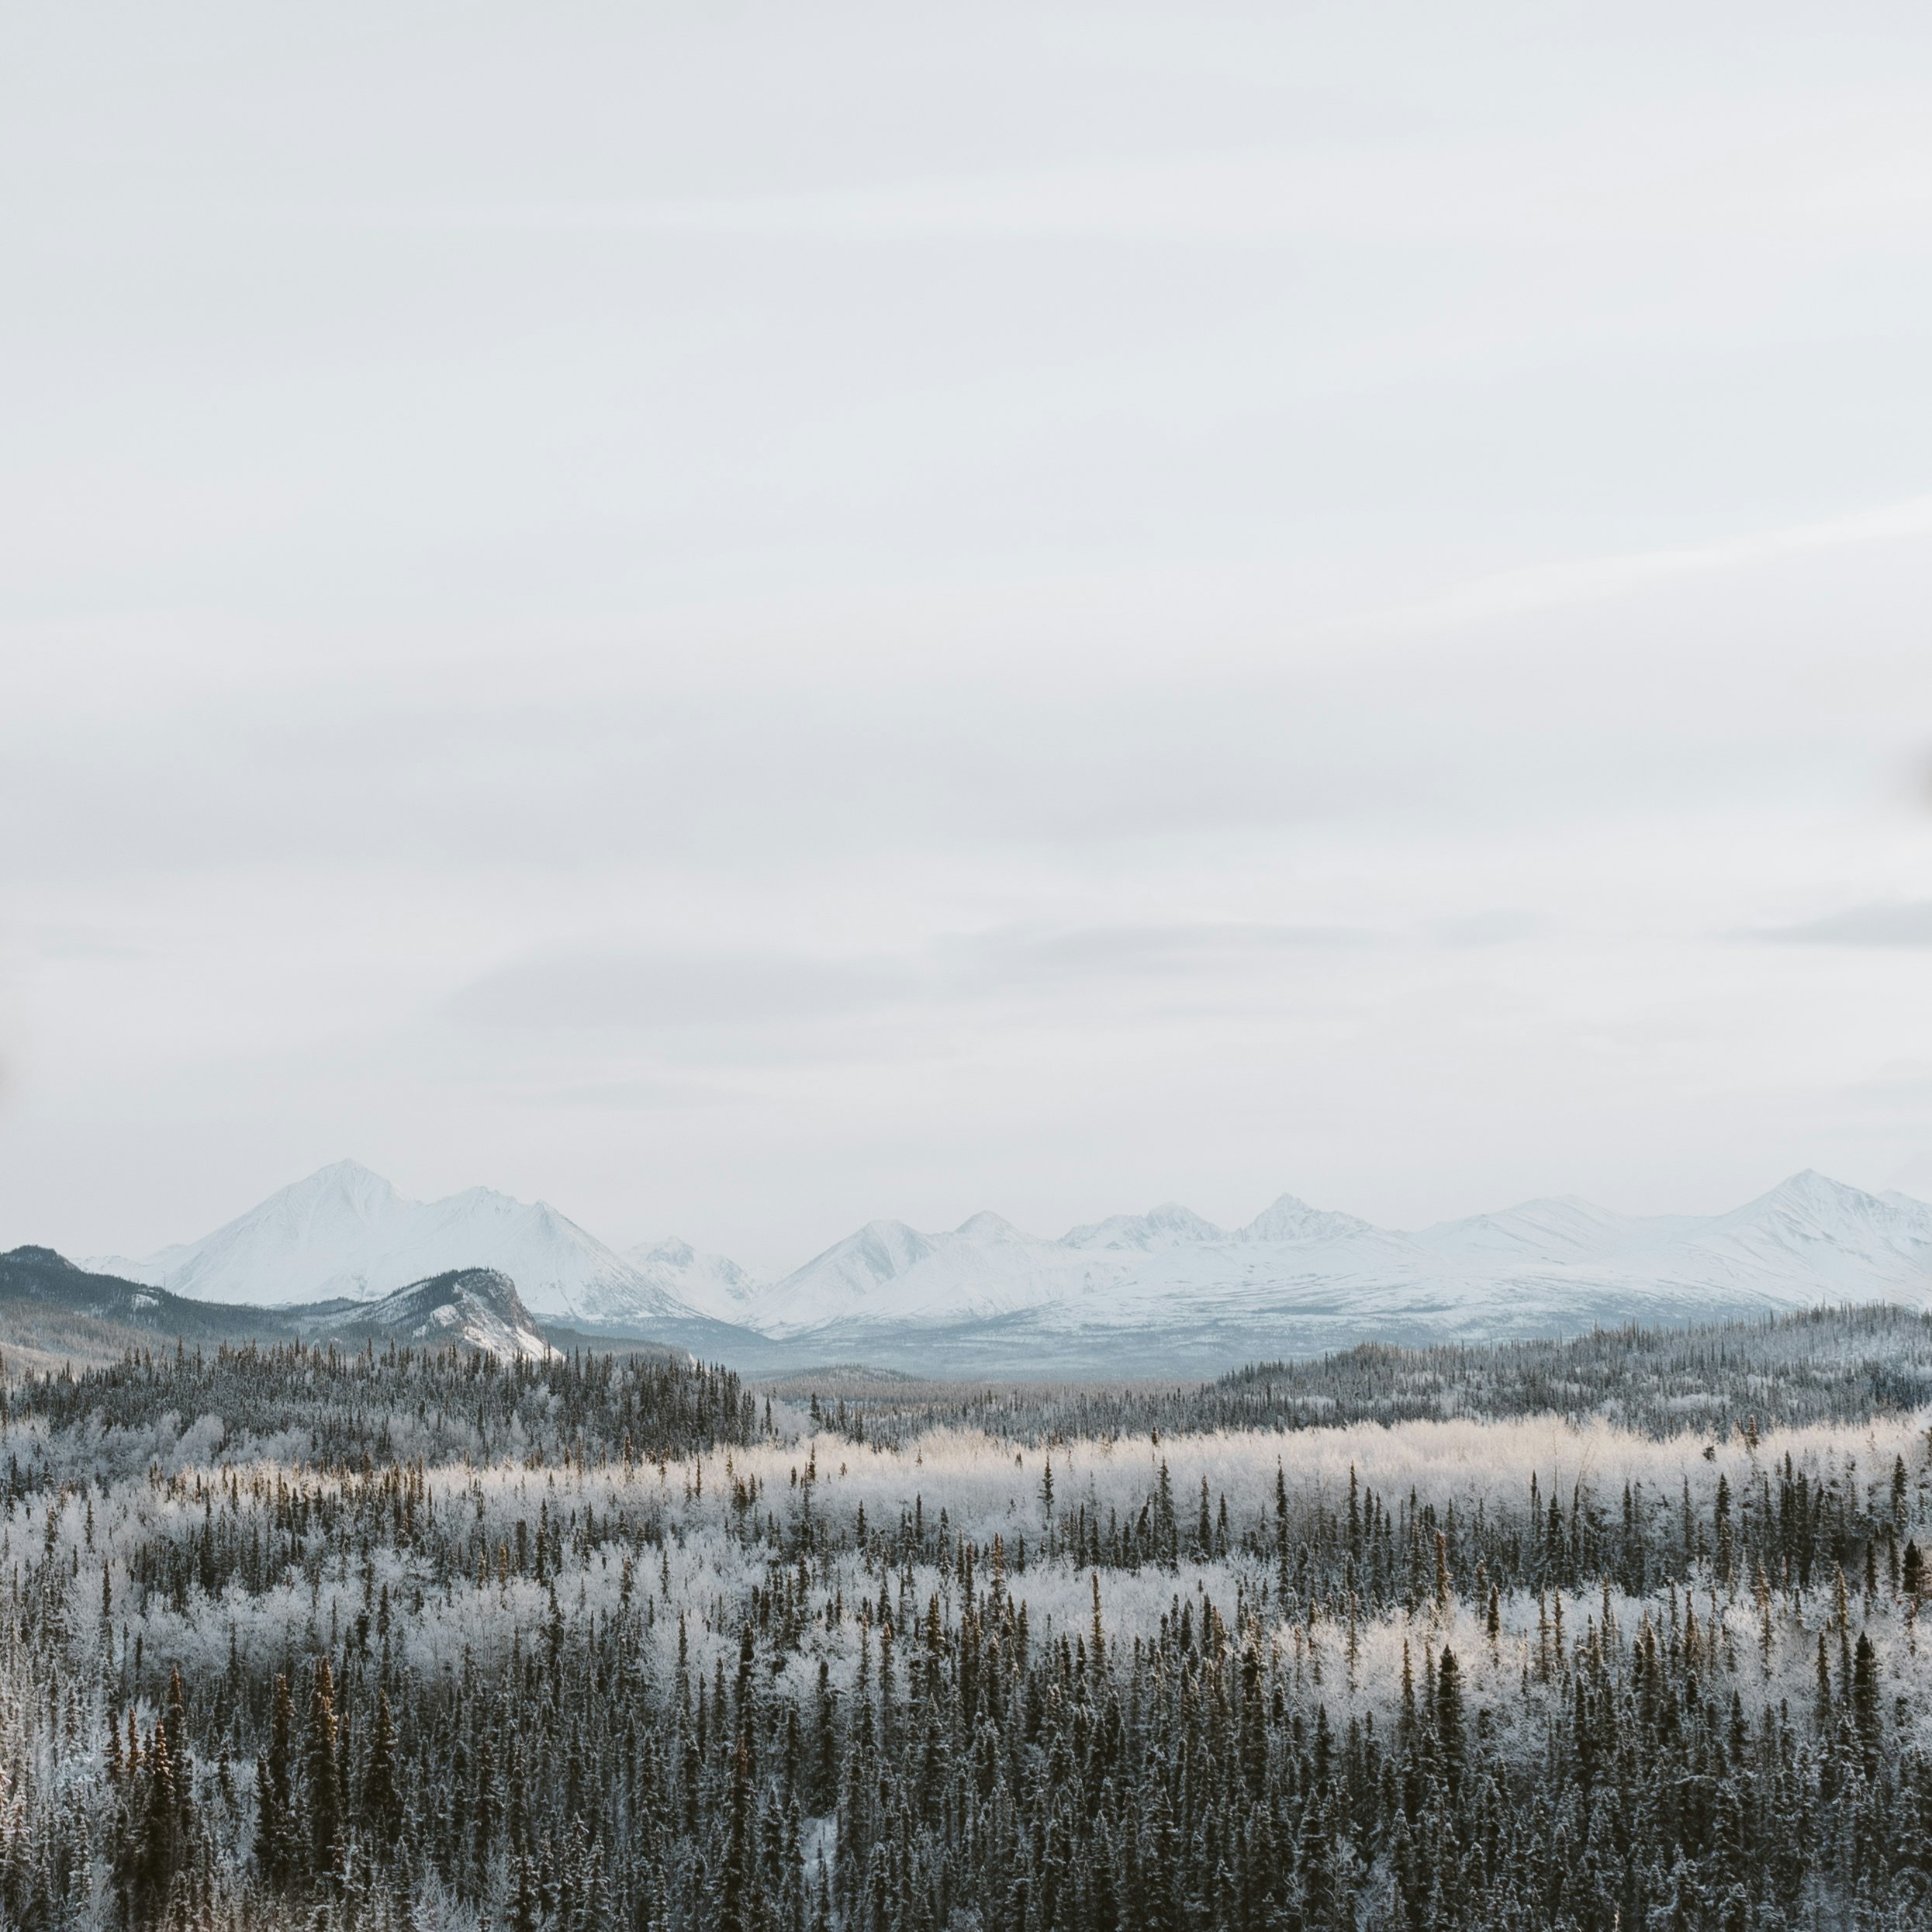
1833, 1365
50, 1309
41, 1278
331, 1407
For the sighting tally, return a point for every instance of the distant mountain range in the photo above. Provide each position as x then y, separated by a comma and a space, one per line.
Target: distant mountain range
1162, 1293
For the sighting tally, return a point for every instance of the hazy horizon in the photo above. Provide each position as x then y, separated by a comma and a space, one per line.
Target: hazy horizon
744, 623
1913, 1179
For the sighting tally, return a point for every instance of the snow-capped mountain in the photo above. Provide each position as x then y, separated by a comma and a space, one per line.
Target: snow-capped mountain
346, 1232
1169, 1225
889, 1272
1562, 1229
711, 1284
1288, 1219
1816, 1234
1168, 1290
1163, 1292
311, 1237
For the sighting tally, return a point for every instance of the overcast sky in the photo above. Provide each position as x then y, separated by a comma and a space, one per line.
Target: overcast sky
744, 618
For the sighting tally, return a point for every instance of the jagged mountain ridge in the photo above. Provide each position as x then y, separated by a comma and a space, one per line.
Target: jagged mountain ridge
1164, 1291
1542, 1265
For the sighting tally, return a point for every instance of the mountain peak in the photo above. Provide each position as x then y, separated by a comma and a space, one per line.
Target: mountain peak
348, 1179
987, 1226
678, 1252
1167, 1226
1809, 1192
347, 1169
1850, 1242
466, 1307
34, 1257
343, 1232
1808, 1180
886, 1248
846, 1276
1290, 1218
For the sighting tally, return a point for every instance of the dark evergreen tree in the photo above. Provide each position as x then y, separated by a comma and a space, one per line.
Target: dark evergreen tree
324, 1777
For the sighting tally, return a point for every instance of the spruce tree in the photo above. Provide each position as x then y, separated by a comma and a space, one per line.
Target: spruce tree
382, 1802
325, 1816
276, 1830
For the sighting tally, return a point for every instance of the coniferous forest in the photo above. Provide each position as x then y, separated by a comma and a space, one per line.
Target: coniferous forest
292, 1636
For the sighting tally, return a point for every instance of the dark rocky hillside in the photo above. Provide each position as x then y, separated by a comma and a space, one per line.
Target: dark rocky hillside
32, 1278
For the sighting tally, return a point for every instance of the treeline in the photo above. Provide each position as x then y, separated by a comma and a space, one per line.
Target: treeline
1830, 1365
323, 1405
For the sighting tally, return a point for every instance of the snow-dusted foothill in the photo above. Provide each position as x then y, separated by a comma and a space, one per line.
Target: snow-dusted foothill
468, 1308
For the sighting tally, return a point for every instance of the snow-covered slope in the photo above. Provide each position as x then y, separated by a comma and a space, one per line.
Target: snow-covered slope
1817, 1238
467, 1308
1169, 1225
1289, 1219
889, 1272
346, 1232
320, 1229
1565, 1229
712, 1283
